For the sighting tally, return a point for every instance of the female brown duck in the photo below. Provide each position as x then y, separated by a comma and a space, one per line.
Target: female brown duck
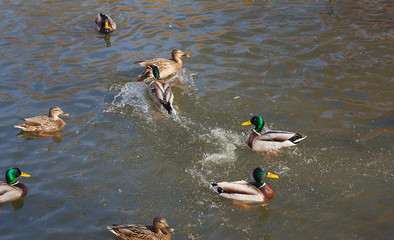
166, 66
50, 123
159, 231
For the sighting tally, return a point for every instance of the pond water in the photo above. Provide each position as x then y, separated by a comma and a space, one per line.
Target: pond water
321, 68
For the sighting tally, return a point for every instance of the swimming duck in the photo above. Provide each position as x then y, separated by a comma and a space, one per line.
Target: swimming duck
12, 189
167, 66
160, 91
104, 23
159, 231
272, 139
250, 191
50, 123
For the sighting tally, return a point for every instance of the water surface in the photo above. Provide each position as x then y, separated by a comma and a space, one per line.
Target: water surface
324, 69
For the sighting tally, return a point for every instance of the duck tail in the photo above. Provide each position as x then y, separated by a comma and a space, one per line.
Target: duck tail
167, 106
214, 186
20, 127
297, 138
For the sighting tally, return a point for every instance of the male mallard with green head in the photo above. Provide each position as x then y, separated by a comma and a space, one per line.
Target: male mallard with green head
272, 139
159, 231
104, 23
160, 91
40, 124
12, 189
167, 66
249, 191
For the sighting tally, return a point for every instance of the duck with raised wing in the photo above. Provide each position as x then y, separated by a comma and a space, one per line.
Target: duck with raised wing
50, 123
167, 67
159, 231
260, 140
248, 191
160, 91
12, 189
104, 23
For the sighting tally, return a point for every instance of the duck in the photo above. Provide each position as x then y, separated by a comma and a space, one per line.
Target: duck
12, 189
260, 140
159, 231
248, 191
39, 124
104, 23
160, 91
167, 66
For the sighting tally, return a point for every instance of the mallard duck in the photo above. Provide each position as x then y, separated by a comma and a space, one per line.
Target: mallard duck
166, 66
50, 123
159, 231
160, 91
104, 23
12, 189
250, 191
272, 139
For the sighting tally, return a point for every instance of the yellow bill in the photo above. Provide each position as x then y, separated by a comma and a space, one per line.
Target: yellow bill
25, 175
106, 25
246, 123
270, 175
65, 114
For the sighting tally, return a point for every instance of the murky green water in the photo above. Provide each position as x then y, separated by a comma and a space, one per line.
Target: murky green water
324, 69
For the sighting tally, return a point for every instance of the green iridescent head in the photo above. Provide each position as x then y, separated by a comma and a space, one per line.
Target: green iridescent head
13, 173
259, 173
257, 121
155, 71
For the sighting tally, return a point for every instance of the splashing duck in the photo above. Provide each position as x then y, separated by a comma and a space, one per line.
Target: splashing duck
159, 231
272, 139
167, 66
12, 189
104, 23
160, 91
39, 124
249, 191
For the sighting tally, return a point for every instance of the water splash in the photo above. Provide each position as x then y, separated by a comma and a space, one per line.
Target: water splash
225, 142
184, 80
135, 93
132, 94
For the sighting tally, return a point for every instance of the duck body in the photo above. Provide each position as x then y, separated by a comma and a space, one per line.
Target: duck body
167, 67
104, 23
247, 191
160, 91
272, 140
50, 123
261, 140
12, 190
159, 231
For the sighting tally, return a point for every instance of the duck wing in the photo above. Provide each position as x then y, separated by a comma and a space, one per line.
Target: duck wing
239, 187
130, 231
278, 136
156, 61
37, 121
161, 91
9, 193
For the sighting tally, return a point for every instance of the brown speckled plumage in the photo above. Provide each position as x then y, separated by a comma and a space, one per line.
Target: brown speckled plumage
50, 123
159, 231
167, 67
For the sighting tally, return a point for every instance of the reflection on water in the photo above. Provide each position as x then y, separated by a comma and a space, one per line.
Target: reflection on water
320, 68
57, 136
